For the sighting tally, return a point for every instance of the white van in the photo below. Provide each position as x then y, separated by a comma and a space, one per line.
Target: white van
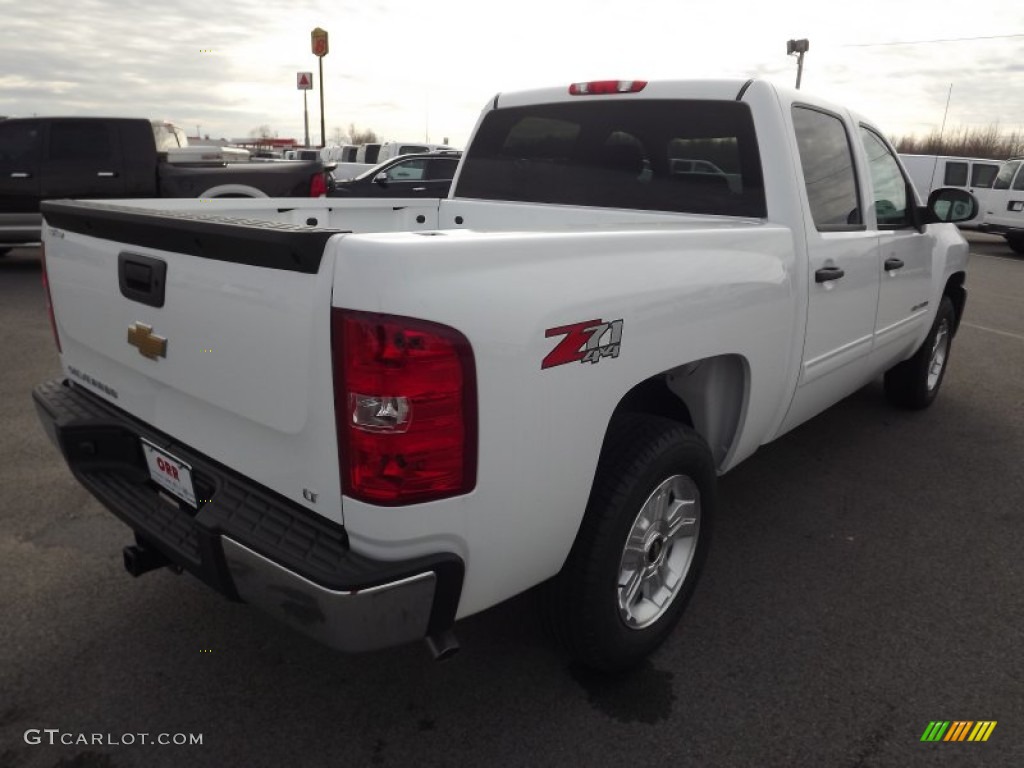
1004, 206
339, 153
391, 149
368, 153
973, 174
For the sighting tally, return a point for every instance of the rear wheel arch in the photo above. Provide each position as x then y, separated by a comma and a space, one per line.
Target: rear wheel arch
232, 190
708, 395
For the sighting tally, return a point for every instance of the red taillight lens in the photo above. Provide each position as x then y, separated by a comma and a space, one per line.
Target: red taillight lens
599, 87
49, 300
318, 185
405, 404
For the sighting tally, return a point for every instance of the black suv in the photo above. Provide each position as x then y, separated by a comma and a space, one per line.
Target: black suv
427, 174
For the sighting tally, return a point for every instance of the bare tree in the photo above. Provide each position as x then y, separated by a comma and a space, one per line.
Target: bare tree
988, 142
361, 135
263, 132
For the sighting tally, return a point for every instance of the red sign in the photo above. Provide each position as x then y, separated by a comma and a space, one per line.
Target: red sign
319, 38
304, 81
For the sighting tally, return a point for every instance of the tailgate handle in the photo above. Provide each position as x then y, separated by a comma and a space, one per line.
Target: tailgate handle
142, 278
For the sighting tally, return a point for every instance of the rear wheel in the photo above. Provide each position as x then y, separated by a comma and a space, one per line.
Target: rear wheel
914, 383
1016, 243
640, 547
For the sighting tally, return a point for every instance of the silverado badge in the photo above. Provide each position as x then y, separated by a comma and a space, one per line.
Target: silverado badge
148, 343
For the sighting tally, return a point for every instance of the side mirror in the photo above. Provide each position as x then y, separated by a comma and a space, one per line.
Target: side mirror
381, 178
950, 205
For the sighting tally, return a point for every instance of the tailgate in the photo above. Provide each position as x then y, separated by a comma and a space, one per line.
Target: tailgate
215, 331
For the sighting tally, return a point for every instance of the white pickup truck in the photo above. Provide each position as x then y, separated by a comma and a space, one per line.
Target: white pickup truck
371, 418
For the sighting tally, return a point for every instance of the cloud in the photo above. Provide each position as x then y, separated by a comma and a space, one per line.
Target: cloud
398, 66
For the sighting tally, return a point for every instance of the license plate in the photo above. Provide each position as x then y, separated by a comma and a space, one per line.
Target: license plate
169, 473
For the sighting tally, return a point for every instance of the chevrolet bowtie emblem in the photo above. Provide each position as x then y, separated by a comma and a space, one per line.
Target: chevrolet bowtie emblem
148, 343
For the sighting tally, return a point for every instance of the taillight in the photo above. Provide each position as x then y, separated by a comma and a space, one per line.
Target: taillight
318, 185
405, 405
49, 299
600, 87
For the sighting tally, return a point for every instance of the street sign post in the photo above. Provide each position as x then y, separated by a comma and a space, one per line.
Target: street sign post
318, 39
304, 81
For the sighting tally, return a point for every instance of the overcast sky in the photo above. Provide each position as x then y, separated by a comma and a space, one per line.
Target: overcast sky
411, 69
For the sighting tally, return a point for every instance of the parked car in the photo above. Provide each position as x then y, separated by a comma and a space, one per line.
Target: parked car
391, 149
303, 153
428, 174
367, 153
339, 153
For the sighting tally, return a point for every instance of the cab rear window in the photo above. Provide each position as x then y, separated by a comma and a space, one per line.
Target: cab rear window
689, 156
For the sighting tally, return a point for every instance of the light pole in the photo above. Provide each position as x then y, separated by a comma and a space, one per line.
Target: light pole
319, 41
798, 47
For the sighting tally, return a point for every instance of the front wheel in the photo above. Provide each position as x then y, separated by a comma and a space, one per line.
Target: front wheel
914, 383
640, 547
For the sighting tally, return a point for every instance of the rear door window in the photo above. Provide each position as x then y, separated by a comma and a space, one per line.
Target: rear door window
690, 156
827, 161
1005, 175
80, 141
983, 174
956, 174
442, 168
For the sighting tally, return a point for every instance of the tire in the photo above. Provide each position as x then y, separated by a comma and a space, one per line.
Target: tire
914, 383
1016, 243
626, 544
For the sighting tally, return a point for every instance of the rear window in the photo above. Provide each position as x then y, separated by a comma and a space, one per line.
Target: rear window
956, 175
982, 175
688, 156
1006, 175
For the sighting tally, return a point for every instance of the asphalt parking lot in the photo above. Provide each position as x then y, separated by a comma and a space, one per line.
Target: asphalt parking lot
866, 579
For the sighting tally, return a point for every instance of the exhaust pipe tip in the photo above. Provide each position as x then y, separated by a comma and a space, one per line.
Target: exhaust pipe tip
442, 645
139, 560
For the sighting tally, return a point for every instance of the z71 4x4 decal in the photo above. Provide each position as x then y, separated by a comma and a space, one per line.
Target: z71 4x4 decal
585, 342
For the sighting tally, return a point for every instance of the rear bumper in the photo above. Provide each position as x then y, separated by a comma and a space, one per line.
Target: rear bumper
247, 542
20, 228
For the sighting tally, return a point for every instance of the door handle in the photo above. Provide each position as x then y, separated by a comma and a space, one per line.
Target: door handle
20, 175
419, 189
106, 174
826, 274
891, 264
